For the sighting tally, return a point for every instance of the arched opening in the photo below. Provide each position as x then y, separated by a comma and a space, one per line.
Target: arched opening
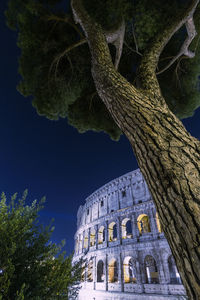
112, 232
129, 268
152, 275
100, 271
85, 244
126, 229
101, 235
92, 237
90, 271
173, 272
158, 223
113, 271
143, 224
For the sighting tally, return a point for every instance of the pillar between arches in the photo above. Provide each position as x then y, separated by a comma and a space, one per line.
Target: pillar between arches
153, 225
119, 234
135, 229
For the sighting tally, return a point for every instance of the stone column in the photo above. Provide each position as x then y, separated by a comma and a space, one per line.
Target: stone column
96, 235
79, 244
140, 277
91, 208
119, 234
94, 271
89, 237
106, 272
106, 233
121, 273
161, 265
135, 229
152, 221
83, 237
142, 272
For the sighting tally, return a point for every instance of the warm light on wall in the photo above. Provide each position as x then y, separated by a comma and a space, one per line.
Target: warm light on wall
158, 223
143, 224
112, 271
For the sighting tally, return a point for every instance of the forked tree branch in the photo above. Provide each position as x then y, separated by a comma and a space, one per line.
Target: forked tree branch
191, 31
115, 37
149, 62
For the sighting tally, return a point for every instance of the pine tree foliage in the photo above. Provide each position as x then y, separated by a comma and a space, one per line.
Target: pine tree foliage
31, 267
56, 72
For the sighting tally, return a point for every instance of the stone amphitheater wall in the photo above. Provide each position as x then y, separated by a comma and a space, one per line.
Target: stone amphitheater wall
104, 237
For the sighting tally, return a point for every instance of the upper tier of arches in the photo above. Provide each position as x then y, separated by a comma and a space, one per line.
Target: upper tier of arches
125, 191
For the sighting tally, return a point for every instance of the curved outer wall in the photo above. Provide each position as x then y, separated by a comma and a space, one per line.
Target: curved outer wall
119, 235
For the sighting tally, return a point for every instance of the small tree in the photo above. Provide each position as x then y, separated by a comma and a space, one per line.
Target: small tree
31, 267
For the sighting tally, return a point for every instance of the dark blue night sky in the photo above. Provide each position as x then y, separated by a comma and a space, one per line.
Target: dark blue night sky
50, 157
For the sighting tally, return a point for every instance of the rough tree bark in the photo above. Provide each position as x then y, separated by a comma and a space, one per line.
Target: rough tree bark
168, 156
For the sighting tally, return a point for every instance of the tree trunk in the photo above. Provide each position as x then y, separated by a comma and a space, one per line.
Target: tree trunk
168, 156
169, 159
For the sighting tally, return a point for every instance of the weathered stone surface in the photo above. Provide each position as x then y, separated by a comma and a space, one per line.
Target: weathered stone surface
131, 259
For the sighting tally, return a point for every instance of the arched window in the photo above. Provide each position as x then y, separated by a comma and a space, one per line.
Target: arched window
100, 271
173, 272
101, 235
158, 223
92, 237
126, 229
112, 232
129, 268
85, 245
151, 270
143, 224
90, 271
113, 271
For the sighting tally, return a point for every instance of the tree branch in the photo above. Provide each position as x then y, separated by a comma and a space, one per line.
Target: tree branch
147, 70
94, 34
129, 47
117, 39
97, 37
65, 52
66, 19
191, 31
135, 40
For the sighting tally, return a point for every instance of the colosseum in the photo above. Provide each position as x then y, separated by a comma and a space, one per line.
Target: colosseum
120, 237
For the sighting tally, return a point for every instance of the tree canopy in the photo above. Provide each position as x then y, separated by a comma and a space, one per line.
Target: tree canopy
31, 267
55, 63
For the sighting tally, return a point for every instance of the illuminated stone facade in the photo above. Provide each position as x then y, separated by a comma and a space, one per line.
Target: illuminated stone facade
127, 255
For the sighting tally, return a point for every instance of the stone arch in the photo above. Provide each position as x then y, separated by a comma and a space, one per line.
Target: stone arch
113, 271
112, 232
101, 235
151, 270
143, 224
129, 270
90, 271
92, 236
158, 223
100, 271
173, 272
126, 228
